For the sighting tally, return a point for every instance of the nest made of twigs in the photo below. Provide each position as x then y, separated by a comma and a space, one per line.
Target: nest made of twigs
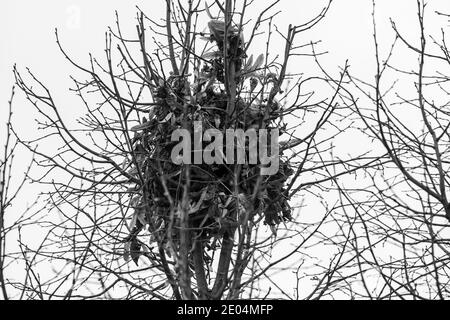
213, 209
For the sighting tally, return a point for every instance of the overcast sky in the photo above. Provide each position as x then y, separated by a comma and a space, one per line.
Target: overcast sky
27, 37
27, 28
27, 32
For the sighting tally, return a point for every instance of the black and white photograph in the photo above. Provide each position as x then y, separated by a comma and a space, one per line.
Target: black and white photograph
224, 155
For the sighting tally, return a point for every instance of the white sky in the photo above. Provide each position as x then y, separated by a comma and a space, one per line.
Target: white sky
27, 35
27, 29
27, 38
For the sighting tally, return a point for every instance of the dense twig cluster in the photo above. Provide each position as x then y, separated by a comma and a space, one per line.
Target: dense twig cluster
214, 208
196, 230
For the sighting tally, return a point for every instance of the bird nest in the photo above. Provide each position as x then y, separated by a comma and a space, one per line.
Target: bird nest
218, 197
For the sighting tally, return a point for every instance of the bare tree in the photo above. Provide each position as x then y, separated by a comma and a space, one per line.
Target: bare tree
399, 244
11, 220
194, 231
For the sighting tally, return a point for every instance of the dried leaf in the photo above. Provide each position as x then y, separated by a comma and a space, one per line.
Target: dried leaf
259, 62
207, 11
126, 251
217, 29
211, 55
216, 25
135, 201
249, 63
141, 217
133, 221
141, 127
273, 228
135, 250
